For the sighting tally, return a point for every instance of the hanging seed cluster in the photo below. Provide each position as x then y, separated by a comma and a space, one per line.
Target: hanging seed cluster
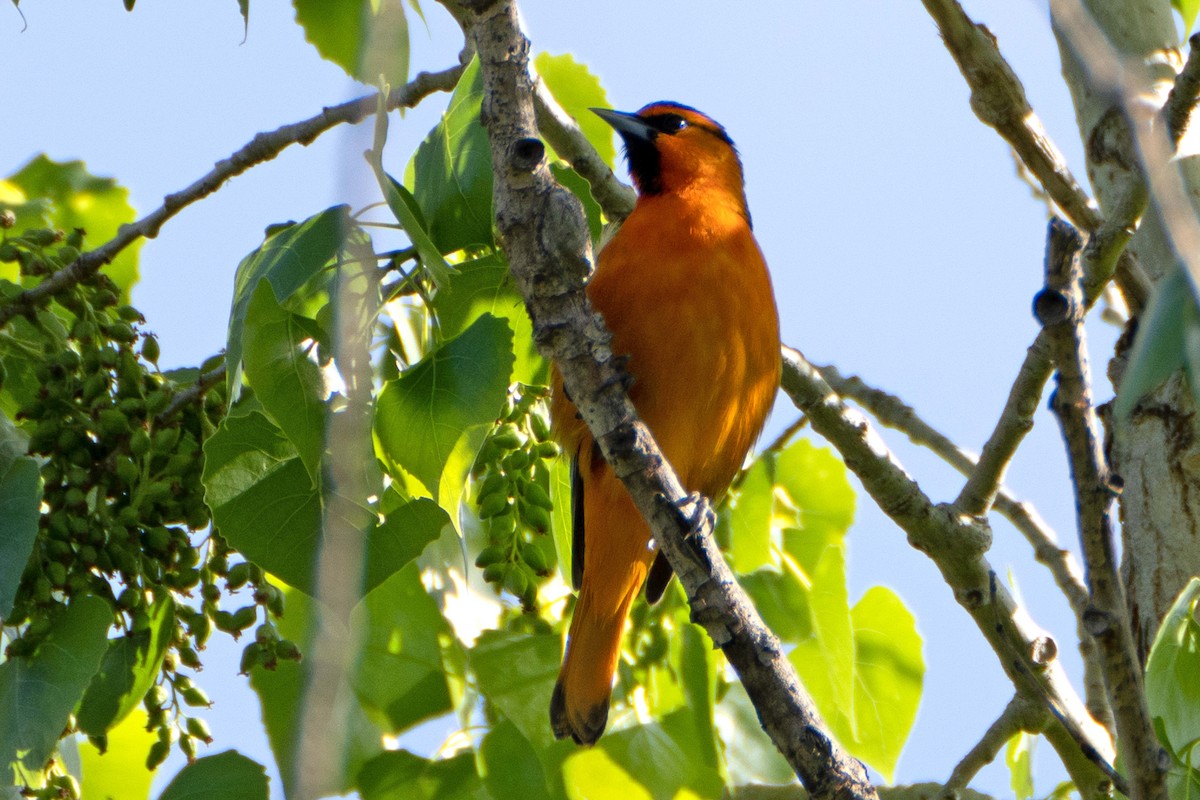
513, 497
124, 517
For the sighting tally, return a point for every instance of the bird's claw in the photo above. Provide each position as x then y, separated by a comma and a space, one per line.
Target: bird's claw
694, 514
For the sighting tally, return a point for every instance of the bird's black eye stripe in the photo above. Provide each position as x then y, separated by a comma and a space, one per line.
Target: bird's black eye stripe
667, 123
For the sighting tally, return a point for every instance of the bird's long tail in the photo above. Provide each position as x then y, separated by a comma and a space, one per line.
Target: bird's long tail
614, 569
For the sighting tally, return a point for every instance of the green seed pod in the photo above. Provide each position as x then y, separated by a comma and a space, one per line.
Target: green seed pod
530, 597
533, 556
287, 650
503, 525
129, 598
42, 237
275, 602
493, 505
187, 746
536, 495
130, 314
165, 440
253, 655
189, 658
87, 554
494, 573
489, 555
516, 461
127, 471
56, 573
508, 437
156, 492
547, 450
195, 697
516, 581
158, 754
41, 591
139, 443
199, 728
99, 741
538, 518
540, 427
68, 253
238, 575
112, 422
157, 400
266, 633
150, 349
157, 540
244, 617
156, 697
8, 252
141, 621
494, 482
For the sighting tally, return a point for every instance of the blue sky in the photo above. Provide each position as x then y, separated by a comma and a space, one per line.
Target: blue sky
903, 246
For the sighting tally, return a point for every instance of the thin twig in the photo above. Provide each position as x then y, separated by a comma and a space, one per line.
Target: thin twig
1060, 308
192, 393
1182, 99
957, 545
263, 147
1022, 714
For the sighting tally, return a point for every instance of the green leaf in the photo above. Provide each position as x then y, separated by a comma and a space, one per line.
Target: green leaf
14, 443
129, 668
1173, 673
1187, 10
225, 776
284, 379
401, 679
578, 91
420, 416
266, 506
290, 257
1158, 348
262, 498
511, 765
244, 9
642, 761
400, 775
750, 755
20, 501
754, 539
560, 515
889, 675
64, 195
594, 774
451, 172
516, 672
120, 772
38, 694
401, 538
484, 286
366, 38
1018, 757
575, 182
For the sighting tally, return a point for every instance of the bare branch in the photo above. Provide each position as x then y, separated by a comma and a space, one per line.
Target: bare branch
1021, 714
564, 135
192, 393
957, 544
1182, 99
543, 232
1060, 308
263, 147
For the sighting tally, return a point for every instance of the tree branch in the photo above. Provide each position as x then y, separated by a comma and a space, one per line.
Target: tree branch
564, 135
1060, 308
957, 544
893, 412
263, 147
543, 232
1021, 714
999, 100
1182, 99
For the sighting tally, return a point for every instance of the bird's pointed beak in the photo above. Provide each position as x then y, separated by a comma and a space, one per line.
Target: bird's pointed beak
627, 124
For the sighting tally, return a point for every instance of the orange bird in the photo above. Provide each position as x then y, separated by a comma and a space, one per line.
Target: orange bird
685, 291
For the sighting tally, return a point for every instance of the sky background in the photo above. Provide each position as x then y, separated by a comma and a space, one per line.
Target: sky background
903, 246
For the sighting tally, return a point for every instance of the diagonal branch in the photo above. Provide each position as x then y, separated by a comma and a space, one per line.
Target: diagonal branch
957, 545
895, 413
1182, 100
543, 232
263, 147
1059, 307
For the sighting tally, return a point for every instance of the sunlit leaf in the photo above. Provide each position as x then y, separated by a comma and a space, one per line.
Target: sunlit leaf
120, 772
366, 38
511, 765
1158, 348
1187, 10
578, 91
64, 195
1173, 672
420, 416
400, 775
129, 668
451, 173
1018, 757
516, 672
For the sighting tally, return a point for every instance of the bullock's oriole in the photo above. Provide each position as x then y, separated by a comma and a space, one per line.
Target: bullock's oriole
685, 291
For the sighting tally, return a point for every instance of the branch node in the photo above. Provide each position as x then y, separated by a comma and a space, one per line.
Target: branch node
526, 154
1043, 650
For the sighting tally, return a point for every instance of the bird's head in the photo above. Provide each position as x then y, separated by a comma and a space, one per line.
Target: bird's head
671, 147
